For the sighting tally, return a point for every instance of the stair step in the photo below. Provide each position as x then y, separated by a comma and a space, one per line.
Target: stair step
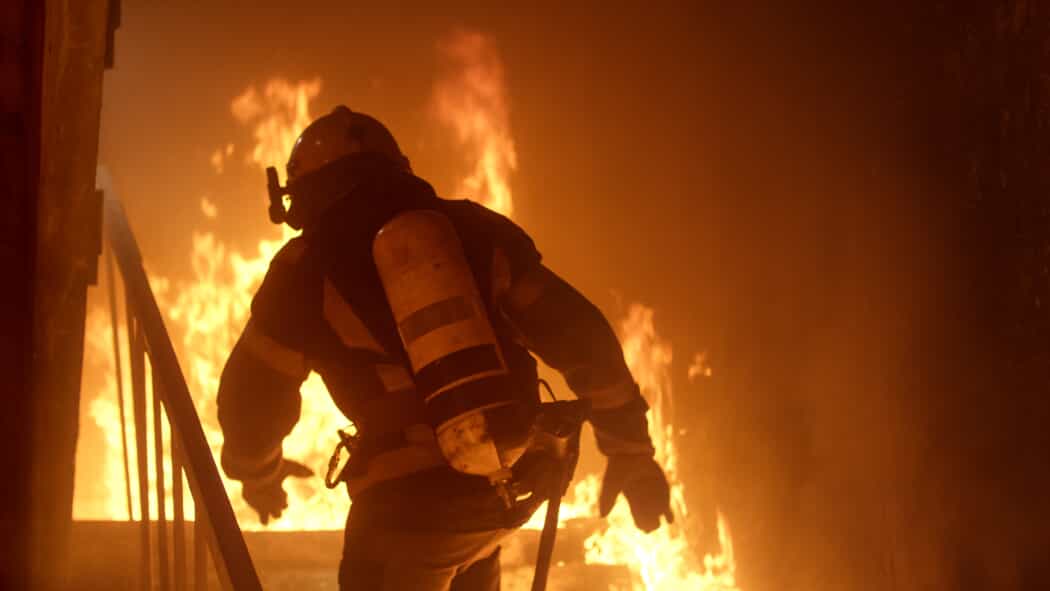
105, 556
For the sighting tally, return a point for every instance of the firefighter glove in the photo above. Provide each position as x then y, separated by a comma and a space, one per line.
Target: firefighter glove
266, 495
642, 482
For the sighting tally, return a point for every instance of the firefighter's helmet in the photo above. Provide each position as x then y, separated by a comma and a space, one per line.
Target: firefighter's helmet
341, 133
316, 175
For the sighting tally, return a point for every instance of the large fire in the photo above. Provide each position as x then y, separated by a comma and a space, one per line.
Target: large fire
206, 315
472, 101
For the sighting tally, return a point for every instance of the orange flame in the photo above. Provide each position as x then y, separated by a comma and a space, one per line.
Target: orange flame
104, 410
662, 559
278, 115
472, 101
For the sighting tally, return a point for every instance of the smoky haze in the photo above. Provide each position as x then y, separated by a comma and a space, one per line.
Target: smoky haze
763, 177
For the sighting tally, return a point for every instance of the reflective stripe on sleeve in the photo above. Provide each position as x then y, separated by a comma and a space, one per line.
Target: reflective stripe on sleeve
285, 360
610, 397
611, 445
258, 469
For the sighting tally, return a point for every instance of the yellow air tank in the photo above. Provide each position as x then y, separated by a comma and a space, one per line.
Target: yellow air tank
459, 369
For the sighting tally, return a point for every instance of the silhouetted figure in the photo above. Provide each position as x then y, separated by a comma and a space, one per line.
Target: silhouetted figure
420, 314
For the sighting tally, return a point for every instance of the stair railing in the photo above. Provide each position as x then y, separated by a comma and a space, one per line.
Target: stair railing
215, 530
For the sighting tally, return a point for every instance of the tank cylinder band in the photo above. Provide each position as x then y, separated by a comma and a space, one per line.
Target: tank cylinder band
437, 315
464, 398
455, 367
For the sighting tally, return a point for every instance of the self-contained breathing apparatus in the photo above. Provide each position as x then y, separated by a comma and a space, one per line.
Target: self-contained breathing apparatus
456, 360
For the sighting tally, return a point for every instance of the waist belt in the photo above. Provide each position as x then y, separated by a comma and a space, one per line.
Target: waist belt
394, 455
385, 457
393, 464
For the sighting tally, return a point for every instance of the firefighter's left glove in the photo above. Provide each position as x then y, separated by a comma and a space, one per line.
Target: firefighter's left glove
541, 474
266, 495
643, 484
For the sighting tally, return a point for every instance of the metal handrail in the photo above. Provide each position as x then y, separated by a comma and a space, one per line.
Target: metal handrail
215, 523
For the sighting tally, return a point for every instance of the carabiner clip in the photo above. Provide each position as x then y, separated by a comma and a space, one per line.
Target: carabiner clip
347, 441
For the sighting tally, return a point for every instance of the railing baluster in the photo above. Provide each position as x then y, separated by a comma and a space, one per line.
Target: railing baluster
162, 518
119, 370
178, 525
200, 551
215, 526
138, 396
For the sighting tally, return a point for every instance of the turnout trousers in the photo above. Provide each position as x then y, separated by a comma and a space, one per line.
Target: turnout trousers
432, 531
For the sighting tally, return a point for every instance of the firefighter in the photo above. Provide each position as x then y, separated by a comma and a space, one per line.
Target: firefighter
420, 313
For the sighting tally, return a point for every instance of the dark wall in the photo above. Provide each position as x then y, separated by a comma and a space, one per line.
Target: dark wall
51, 231
998, 64
21, 30
884, 388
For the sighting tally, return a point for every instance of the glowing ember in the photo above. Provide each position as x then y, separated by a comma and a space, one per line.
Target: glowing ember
700, 367
219, 156
208, 208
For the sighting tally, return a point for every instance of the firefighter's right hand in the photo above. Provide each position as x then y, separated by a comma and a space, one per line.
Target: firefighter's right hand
267, 495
